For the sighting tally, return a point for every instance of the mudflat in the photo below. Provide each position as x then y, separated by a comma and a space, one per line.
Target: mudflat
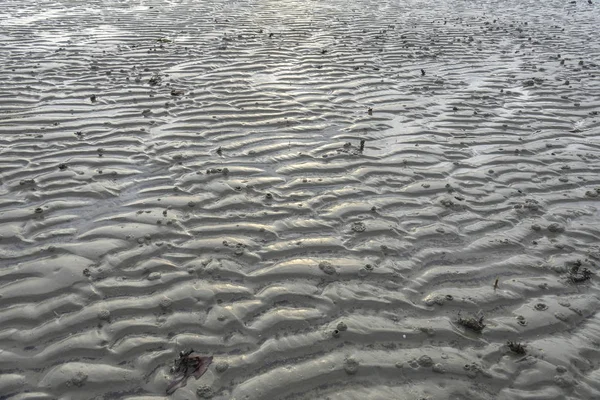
264, 200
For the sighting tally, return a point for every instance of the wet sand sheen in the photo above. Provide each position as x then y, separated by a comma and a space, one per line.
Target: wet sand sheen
190, 175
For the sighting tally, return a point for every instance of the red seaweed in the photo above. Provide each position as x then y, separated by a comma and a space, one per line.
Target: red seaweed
188, 364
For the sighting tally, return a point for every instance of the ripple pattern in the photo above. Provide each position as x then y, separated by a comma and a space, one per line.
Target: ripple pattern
316, 193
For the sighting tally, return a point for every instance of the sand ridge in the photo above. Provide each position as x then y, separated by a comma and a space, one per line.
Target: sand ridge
189, 175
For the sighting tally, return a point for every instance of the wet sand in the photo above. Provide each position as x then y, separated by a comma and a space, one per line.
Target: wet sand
189, 175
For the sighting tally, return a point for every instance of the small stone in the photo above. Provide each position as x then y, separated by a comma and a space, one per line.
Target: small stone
447, 203
555, 228
104, 315
561, 369
79, 379
399, 365
359, 227
154, 276
342, 327
564, 381
425, 361
536, 227
351, 366
561, 316
204, 392
191, 204
221, 366
39, 210
165, 303
327, 267
439, 368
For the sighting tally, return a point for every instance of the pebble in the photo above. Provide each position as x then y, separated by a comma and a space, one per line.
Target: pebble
425, 361
359, 227
555, 228
221, 366
561, 369
104, 315
79, 379
561, 316
154, 276
165, 303
327, 267
439, 368
564, 381
204, 392
342, 327
351, 366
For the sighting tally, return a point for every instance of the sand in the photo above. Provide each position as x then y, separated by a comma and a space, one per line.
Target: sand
181, 175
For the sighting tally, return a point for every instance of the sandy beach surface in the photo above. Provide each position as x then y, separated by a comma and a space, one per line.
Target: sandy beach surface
335, 199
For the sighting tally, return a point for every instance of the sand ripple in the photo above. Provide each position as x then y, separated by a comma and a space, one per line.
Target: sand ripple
190, 174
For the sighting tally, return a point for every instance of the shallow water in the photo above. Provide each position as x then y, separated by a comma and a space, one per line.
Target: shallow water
228, 207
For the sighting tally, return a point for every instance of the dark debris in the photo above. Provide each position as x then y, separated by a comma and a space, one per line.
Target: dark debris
473, 323
188, 364
516, 347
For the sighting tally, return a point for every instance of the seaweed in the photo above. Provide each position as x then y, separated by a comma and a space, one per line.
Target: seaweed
516, 347
473, 323
188, 364
578, 274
